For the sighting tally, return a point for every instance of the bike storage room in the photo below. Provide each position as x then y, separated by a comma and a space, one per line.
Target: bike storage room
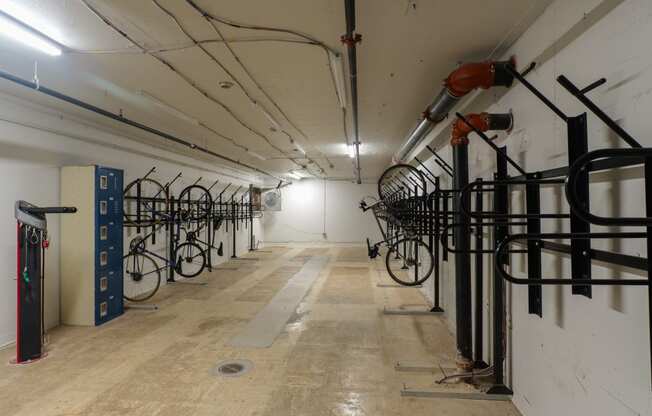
325, 207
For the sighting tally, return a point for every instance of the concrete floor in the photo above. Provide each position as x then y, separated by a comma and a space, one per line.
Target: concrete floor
335, 357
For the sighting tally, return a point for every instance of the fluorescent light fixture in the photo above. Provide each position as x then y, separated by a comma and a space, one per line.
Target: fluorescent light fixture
169, 109
24, 33
337, 69
302, 174
350, 149
293, 175
256, 155
299, 174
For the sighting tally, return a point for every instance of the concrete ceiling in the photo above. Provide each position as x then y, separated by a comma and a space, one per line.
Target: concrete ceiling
408, 47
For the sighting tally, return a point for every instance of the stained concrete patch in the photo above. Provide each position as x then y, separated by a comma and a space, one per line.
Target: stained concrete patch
270, 321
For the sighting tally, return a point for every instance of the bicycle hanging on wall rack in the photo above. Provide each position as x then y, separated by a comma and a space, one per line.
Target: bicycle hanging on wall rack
402, 204
148, 205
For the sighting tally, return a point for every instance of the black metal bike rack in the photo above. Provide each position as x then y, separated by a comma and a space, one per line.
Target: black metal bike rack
436, 221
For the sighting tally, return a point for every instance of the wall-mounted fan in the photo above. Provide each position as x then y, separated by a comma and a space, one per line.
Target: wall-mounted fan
272, 200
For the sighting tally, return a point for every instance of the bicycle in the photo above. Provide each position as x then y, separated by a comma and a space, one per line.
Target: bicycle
141, 273
409, 261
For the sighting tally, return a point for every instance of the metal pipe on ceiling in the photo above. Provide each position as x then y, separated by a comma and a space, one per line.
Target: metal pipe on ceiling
459, 83
350, 39
117, 117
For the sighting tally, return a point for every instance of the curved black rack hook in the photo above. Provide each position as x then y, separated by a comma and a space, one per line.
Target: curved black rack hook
444, 237
638, 154
504, 244
473, 214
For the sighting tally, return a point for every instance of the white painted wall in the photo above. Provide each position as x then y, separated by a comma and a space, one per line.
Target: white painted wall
585, 356
322, 211
34, 143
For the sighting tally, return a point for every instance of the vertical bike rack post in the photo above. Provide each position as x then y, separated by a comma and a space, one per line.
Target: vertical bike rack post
252, 244
648, 229
501, 207
234, 222
463, 301
580, 249
209, 230
435, 209
444, 200
577, 146
172, 218
533, 207
479, 283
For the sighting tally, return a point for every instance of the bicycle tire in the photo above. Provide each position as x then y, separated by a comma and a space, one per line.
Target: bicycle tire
137, 276
155, 218
392, 260
204, 203
185, 252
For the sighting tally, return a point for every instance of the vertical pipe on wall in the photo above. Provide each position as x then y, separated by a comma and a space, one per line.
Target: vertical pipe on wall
462, 260
500, 232
479, 283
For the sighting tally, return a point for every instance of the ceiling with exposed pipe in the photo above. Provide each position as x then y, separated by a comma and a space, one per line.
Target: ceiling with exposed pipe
258, 81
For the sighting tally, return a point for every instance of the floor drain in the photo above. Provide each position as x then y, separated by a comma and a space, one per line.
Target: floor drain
232, 368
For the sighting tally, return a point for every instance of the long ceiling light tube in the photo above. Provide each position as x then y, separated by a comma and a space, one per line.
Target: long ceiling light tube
90, 107
338, 76
27, 35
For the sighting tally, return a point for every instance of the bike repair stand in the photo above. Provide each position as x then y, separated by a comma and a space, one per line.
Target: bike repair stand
32, 240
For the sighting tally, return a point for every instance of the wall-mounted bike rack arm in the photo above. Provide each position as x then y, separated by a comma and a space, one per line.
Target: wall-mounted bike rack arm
149, 172
413, 182
223, 190
581, 96
428, 174
490, 142
234, 193
213, 184
537, 93
441, 162
170, 183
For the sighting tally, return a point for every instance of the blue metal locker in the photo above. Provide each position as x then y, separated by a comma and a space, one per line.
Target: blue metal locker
108, 244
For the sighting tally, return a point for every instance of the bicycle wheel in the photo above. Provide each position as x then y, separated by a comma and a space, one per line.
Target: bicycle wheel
141, 277
145, 203
195, 203
409, 262
190, 259
399, 179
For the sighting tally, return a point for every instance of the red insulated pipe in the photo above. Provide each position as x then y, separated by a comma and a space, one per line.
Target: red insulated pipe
461, 129
481, 122
474, 75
